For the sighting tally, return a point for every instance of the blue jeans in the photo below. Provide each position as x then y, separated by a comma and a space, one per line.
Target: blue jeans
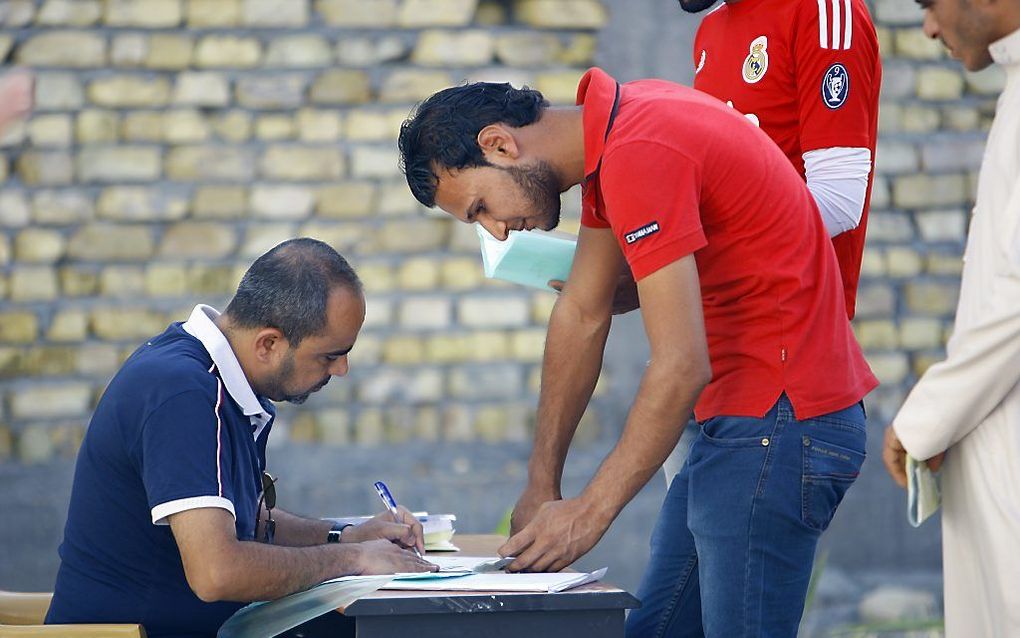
733, 548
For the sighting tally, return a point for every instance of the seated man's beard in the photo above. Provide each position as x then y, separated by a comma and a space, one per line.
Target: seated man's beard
541, 187
695, 6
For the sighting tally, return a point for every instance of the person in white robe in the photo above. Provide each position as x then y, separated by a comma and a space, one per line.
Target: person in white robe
965, 410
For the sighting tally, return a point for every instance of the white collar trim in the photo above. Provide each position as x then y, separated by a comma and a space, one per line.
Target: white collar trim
1006, 51
201, 326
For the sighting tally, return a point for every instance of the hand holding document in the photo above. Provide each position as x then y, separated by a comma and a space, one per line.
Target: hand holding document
531, 258
923, 494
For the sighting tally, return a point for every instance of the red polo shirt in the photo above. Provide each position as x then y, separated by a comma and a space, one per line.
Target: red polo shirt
681, 173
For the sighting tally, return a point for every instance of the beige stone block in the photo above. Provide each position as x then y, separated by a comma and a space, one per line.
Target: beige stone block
185, 126
395, 199
118, 164
43, 168
499, 381
346, 200
491, 13
461, 273
375, 162
128, 91
149, 14
18, 326
921, 333
138, 203
873, 263
98, 359
922, 190
446, 348
274, 127
129, 50
281, 202
109, 242
122, 282
876, 334
913, 44
219, 281
228, 51
315, 125
271, 91
34, 445
3, 168
201, 88
487, 345
561, 14
579, 51
528, 345
403, 350
889, 226
377, 277
198, 240
299, 51
298, 163
527, 48
364, 125
210, 162
427, 424
919, 119
5, 257
68, 325
961, 118
17, 13
142, 126
903, 261
166, 280
358, 13
33, 283
944, 264
341, 86
896, 158
79, 281
274, 13
97, 127
931, 298
345, 238
439, 13
213, 13
233, 126
38, 245
69, 13
169, 52
425, 313
369, 430
411, 85
891, 368
489, 311
420, 273
6, 44
14, 210
57, 92
259, 238
989, 81
559, 87
219, 202
73, 49
939, 83
126, 324
472, 47
413, 235
942, 225
50, 130
369, 52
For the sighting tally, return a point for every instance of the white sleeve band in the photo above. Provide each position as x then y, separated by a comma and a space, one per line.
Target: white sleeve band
838, 179
163, 511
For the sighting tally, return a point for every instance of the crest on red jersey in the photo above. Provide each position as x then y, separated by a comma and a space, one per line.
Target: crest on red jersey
757, 61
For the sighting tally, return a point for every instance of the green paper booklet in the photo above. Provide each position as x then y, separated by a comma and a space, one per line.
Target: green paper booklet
530, 258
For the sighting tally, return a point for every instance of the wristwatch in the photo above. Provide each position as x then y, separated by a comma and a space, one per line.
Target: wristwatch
333, 536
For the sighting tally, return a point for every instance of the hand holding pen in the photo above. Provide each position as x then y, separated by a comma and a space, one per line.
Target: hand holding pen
401, 515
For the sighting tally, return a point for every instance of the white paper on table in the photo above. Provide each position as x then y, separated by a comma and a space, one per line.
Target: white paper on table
924, 497
517, 582
267, 619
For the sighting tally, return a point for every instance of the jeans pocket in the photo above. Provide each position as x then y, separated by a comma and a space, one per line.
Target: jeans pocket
828, 472
738, 431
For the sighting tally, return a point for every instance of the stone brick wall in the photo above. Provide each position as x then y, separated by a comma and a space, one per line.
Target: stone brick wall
176, 140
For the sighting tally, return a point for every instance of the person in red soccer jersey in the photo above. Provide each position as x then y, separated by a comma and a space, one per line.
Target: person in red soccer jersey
808, 72
743, 308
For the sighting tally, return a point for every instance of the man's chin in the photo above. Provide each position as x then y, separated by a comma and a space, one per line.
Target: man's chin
299, 399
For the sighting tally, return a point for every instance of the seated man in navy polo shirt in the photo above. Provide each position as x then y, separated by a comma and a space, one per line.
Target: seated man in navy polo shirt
167, 525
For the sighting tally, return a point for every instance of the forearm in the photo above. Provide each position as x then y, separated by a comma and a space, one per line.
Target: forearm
297, 531
663, 405
570, 368
251, 571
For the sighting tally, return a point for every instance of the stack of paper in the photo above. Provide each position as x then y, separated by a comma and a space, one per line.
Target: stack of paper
543, 583
530, 258
923, 494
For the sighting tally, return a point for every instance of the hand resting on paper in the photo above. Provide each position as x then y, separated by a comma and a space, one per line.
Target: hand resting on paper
625, 299
407, 533
894, 456
560, 533
528, 504
383, 557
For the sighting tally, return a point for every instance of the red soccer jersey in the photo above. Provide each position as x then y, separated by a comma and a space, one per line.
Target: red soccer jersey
681, 173
808, 73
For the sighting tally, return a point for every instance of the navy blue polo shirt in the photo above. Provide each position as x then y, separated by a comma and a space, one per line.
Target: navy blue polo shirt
178, 428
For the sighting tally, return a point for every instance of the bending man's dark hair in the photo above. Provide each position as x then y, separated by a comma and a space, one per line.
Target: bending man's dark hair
442, 131
288, 288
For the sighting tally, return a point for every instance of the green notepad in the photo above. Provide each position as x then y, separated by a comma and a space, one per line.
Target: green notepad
530, 258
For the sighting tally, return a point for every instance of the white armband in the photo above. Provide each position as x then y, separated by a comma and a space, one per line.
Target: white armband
838, 180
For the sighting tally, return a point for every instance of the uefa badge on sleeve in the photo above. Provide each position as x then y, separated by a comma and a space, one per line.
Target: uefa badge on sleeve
835, 86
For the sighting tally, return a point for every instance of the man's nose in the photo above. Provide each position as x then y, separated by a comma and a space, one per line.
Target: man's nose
930, 26
495, 228
340, 367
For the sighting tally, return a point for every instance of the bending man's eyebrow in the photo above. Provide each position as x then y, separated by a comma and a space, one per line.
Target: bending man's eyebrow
339, 353
469, 214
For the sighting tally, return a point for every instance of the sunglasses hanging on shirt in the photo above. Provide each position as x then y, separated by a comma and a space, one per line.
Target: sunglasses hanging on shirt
269, 497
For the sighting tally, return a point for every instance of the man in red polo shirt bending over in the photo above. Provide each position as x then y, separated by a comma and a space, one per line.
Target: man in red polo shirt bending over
744, 313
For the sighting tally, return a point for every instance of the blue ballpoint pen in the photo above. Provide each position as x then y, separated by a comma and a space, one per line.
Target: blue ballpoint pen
391, 505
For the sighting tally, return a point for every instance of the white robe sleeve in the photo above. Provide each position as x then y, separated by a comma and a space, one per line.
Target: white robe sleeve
838, 180
982, 366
